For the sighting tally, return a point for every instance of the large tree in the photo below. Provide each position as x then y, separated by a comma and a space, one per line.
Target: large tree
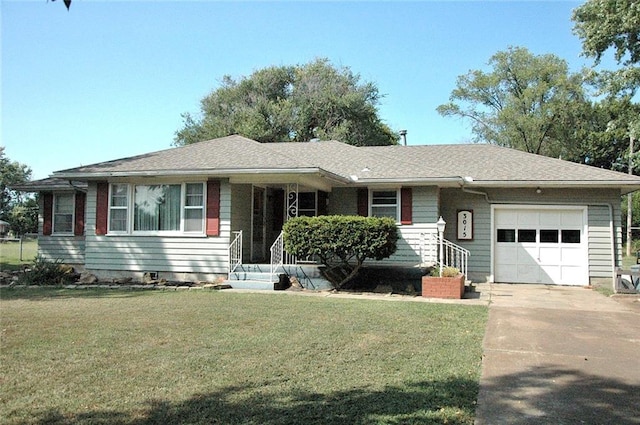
291, 104
525, 101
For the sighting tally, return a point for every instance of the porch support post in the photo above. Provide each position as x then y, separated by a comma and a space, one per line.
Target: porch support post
292, 200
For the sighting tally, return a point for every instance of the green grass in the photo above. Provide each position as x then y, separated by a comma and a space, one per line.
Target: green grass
10, 254
201, 357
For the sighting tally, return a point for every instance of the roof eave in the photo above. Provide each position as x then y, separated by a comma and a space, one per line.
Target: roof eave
228, 172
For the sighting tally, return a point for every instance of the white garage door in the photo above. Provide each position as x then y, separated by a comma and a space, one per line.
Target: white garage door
542, 245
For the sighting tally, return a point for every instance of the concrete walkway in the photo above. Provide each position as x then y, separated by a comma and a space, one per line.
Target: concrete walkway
559, 355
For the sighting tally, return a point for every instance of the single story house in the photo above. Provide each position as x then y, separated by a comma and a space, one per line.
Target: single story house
200, 211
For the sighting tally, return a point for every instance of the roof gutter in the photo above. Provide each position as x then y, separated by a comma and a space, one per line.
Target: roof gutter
198, 172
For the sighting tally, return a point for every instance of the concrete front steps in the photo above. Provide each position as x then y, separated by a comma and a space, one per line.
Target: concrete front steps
259, 276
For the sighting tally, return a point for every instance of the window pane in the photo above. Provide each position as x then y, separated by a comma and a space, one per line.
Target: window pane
526, 235
571, 236
118, 222
63, 213
193, 220
194, 195
64, 204
307, 200
385, 212
119, 195
63, 223
157, 207
548, 236
506, 235
384, 198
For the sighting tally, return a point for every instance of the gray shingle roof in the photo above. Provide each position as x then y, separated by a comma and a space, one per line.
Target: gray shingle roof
232, 155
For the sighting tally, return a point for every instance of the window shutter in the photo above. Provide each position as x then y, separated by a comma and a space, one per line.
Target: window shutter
213, 208
78, 226
47, 213
322, 202
102, 207
363, 202
406, 205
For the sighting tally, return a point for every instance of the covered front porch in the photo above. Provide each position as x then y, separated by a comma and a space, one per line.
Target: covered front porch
257, 257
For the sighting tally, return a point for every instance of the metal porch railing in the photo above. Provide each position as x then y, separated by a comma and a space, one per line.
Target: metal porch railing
235, 252
279, 256
452, 255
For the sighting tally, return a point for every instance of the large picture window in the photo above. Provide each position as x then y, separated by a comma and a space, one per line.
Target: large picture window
173, 208
63, 206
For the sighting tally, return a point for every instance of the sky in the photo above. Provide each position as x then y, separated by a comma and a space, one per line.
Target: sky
111, 79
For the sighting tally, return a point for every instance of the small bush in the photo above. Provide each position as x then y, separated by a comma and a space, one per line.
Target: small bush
446, 272
341, 243
46, 272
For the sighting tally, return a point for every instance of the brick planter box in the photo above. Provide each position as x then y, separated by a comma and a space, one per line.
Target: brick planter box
443, 287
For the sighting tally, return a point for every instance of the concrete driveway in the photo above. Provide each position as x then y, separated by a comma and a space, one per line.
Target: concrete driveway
559, 355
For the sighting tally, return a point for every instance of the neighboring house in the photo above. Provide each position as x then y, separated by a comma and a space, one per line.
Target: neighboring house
4, 229
523, 218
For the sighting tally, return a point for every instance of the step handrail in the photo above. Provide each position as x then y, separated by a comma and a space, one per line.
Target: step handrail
235, 251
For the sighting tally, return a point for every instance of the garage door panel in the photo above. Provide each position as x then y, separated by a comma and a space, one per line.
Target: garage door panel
528, 273
507, 254
528, 218
571, 275
549, 254
549, 219
550, 274
527, 255
572, 256
571, 219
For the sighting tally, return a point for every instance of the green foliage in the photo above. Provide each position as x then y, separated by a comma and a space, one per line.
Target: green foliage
23, 218
527, 102
604, 24
11, 172
291, 104
46, 272
446, 272
342, 243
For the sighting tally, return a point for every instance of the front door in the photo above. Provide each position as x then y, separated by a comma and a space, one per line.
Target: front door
258, 225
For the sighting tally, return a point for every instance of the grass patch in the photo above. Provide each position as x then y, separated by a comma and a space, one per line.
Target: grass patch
138, 357
10, 254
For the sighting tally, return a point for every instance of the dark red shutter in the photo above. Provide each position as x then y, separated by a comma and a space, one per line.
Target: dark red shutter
406, 205
213, 208
78, 228
102, 207
323, 197
363, 202
47, 214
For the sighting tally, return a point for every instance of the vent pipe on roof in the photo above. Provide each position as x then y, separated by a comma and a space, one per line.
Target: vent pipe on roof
403, 135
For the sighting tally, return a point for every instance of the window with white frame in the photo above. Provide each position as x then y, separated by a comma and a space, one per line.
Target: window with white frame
63, 206
119, 208
385, 203
157, 208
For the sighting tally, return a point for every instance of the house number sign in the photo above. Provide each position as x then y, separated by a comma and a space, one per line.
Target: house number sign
465, 225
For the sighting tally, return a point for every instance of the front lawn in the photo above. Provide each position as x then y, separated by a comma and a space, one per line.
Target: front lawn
143, 357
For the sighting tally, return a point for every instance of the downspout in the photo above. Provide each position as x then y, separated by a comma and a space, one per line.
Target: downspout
464, 180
